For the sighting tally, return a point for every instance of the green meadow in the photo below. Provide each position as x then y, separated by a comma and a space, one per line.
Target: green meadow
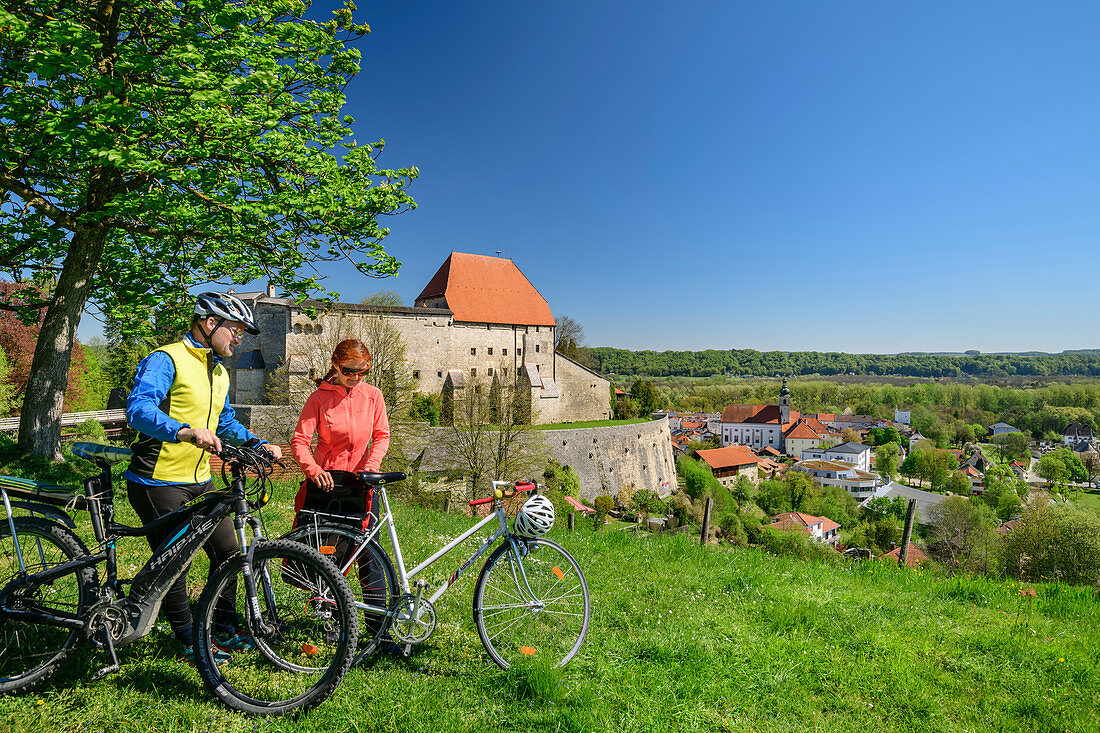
683, 638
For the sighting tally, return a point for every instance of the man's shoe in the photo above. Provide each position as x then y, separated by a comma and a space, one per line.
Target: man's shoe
233, 638
221, 656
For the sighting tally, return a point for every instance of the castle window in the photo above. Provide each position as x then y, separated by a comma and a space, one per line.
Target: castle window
536, 348
490, 371
439, 374
416, 374
519, 352
473, 351
473, 372
490, 351
504, 352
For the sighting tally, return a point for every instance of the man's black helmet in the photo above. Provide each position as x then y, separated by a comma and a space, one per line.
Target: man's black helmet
227, 306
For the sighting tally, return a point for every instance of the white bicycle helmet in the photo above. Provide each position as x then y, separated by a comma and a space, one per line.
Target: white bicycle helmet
535, 517
228, 307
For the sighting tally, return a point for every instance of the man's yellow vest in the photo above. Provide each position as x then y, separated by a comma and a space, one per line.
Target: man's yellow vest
196, 398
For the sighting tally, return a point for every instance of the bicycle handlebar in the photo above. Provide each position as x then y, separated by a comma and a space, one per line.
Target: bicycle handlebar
519, 486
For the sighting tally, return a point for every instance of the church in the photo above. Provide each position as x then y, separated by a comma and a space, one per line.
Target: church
759, 426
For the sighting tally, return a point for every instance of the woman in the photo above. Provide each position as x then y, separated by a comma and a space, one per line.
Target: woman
349, 417
353, 433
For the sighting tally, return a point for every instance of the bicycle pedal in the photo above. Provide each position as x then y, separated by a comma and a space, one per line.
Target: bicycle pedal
104, 671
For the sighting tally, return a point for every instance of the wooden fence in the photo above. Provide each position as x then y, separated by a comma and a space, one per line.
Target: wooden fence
111, 419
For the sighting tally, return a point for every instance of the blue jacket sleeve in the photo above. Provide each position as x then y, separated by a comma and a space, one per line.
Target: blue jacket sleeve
154, 378
230, 428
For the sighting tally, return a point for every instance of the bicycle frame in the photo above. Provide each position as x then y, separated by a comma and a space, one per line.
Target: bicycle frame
405, 576
194, 523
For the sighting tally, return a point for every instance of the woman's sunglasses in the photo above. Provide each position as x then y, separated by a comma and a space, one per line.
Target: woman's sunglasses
352, 372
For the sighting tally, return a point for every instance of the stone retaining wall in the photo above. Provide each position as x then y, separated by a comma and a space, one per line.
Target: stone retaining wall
605, 458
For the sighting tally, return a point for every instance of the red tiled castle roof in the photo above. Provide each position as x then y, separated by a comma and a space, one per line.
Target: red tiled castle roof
481, 289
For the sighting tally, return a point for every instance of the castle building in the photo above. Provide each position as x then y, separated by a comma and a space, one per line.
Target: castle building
478, 319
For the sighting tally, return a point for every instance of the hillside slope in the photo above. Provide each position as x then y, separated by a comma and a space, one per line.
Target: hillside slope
683, 638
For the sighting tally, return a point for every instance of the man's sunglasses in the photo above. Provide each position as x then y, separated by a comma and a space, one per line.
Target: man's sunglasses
352, 372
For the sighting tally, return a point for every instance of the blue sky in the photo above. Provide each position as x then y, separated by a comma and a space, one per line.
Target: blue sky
848, 176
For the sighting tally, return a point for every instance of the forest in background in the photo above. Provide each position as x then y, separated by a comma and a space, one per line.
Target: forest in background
749, 362
942, 411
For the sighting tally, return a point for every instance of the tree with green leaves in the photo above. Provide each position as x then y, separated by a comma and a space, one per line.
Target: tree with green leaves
958, 483
149, 147
742, 490
887, 459
1010, 444
647, 397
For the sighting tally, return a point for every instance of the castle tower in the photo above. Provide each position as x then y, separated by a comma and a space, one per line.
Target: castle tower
784, 404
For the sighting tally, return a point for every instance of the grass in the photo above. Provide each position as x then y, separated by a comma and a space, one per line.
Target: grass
683, 638
588, 424
1085, 497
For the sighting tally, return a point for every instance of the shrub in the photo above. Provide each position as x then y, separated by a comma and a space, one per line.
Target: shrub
1054, 543
571, 482
603, 505
731, 531
684, 509
796, 544
625, 497
91, 430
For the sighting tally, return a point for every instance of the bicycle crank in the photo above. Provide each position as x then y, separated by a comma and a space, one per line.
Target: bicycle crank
413, 620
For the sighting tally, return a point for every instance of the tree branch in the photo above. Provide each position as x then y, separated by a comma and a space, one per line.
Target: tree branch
36, 200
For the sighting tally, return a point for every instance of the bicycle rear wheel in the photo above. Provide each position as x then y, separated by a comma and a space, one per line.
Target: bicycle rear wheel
532, 606
32, 653
304, 640
370, 575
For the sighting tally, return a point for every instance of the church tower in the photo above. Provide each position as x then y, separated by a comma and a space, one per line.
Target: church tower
784, 404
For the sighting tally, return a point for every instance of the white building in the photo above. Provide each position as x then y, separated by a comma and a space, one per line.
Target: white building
858, 454
759, 426
860, 484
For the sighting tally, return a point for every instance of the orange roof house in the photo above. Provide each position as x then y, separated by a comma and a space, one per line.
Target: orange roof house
802, 431
482, 289
732, 456
913, 558
821, 528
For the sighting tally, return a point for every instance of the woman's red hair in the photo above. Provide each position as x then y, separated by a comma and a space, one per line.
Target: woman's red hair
347, 350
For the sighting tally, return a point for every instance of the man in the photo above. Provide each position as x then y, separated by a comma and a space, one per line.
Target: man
180, 407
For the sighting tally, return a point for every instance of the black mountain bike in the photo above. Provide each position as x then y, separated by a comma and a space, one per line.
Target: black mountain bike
294, 606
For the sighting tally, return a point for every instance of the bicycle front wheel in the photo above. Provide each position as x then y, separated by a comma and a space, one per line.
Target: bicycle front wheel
299, 647
32, 653
370, 575
532, 606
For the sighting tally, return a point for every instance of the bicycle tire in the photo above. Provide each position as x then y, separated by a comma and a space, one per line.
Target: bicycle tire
546, 623
32, 654
307, 645
377, 580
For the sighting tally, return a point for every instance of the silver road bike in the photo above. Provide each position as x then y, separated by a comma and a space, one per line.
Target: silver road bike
530, 602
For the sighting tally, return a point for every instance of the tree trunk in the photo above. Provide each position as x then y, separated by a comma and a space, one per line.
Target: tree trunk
40, 421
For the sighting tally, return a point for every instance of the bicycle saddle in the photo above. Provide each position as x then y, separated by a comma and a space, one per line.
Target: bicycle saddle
381, 479
92, 451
